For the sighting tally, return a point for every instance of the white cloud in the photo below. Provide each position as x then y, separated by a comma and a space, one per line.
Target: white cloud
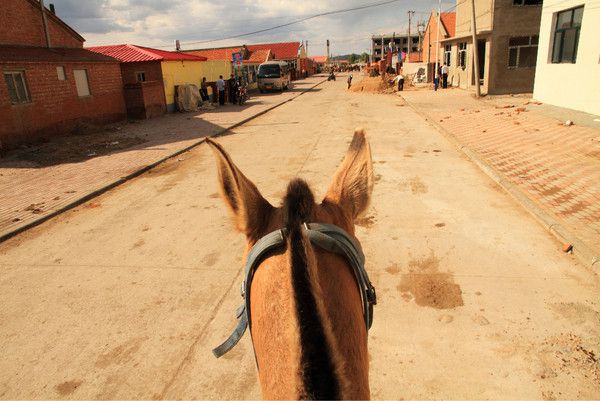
159, 22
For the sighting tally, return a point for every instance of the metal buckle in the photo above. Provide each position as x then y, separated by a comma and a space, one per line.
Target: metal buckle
371, 295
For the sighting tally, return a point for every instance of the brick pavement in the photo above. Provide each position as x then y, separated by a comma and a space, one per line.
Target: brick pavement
31, 191
554, 165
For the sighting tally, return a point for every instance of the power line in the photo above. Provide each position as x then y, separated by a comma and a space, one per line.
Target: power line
295, 22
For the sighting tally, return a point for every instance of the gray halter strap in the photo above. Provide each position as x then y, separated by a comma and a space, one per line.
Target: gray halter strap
327, 237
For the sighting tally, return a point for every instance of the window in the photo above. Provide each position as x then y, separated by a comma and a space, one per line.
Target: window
522, 51
140, 76
447, 54
17, 87
462, 54
566, 35
60, 72
526, 2
82, 83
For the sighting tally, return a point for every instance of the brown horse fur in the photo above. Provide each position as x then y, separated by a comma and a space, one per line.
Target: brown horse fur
308, 330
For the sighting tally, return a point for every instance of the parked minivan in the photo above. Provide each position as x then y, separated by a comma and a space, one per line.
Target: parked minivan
273, 75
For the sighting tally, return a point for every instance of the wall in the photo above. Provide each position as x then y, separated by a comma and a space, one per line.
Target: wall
145, 99
151, 69
484, 10
211, 69
55, 107
178, 73
569, 85
21, 24
511, 21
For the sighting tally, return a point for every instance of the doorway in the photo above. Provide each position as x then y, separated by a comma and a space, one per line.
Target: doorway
480, 61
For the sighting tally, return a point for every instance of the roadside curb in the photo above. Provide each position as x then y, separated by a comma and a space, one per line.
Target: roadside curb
122, 180
581, 250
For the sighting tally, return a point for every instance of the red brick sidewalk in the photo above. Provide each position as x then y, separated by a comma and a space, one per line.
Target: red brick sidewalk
31, 191
554, 165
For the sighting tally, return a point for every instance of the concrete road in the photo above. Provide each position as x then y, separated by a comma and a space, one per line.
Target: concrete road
124, 297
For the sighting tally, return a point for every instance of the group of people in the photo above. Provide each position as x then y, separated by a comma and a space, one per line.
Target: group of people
232, 85
442, 74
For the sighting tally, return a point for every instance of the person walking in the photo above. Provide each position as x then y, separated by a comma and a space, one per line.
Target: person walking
349, 80
221, 90
444, 76
203, 90
232, 86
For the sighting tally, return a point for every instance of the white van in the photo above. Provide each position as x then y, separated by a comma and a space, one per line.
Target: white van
273, 75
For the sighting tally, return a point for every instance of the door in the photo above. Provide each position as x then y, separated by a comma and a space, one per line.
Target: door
481, 59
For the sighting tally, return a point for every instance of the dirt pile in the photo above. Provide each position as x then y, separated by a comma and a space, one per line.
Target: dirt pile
372, 85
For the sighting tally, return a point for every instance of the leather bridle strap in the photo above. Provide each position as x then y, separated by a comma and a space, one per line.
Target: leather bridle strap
327, 237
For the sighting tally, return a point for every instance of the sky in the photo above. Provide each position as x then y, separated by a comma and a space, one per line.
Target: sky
197, 23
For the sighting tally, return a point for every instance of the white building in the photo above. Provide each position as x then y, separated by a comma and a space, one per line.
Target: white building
568, 61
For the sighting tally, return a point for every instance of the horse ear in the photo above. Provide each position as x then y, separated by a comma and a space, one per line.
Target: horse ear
251, 212
352, 183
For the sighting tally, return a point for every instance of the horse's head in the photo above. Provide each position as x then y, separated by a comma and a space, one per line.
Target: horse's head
310, 299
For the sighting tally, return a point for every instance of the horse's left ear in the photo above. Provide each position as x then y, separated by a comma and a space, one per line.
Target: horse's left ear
352, 183
251, 212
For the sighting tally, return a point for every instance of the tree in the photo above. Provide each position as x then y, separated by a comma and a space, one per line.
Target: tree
364, 57
352, 58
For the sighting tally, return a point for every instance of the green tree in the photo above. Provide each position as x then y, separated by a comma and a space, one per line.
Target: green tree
352, 58
364, 57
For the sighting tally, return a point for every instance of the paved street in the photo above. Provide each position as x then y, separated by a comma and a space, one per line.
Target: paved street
554, 165
124, 296
43, 179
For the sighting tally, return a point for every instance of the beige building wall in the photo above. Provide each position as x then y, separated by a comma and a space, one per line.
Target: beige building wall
497, 21
575, 86
511, 21
484, 10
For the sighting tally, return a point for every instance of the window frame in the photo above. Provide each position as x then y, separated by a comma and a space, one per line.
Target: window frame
518, 48
559, 59
27, 93
64, 73
462, 55
87, 77
521, 3
137, 76
448, 55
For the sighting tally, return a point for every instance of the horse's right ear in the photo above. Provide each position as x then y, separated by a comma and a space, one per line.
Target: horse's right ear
250, 210
353, 181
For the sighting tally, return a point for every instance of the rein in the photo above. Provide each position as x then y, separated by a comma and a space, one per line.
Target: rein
325, 236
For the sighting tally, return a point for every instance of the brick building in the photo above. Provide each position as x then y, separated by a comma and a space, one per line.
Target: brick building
432, 40
150, 76
50, 83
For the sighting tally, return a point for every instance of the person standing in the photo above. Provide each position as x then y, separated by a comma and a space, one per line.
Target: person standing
232, 86
221, 90
444, 76
349, 80
203, 90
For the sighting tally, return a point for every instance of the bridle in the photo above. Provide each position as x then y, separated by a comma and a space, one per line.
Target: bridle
327, 237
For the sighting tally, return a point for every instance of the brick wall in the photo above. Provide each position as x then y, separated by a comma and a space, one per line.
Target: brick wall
21, 24
150, 68
55, 107
145, 99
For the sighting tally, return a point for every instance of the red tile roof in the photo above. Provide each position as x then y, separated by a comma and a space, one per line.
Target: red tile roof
43, 54
222, 53
132, 54
449, 22
280, 51
258, 56
319, 59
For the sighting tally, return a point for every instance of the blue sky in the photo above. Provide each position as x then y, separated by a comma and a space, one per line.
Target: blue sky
157, 23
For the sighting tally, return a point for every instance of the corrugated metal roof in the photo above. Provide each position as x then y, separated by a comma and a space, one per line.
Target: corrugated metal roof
127, 53
41, 54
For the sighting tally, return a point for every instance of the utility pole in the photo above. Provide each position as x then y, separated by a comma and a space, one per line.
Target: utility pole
475, 50
409, 38
437, 45
328, 62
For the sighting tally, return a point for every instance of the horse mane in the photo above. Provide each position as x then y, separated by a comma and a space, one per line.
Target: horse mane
317, 370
